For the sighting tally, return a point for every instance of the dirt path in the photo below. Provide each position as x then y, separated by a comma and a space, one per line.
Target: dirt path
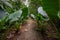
28, 32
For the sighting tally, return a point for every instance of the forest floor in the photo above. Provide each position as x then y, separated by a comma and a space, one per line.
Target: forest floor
28, 32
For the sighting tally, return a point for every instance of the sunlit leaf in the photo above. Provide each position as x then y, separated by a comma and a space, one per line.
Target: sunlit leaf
15, 16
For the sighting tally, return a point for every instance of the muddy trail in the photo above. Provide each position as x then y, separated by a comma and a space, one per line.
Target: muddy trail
28, 32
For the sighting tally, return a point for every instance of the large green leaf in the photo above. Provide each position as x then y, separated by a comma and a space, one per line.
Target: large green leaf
10, 5
15, 16
52, 8
2, 14
36, 10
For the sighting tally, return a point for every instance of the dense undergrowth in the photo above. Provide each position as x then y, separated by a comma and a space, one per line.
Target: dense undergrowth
15, 13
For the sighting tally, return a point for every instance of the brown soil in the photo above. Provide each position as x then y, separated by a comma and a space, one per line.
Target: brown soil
50, 33
27, 32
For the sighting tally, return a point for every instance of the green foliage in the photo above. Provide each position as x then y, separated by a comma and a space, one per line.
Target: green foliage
15, 16
59, 14
34, 4
18, 16
52, 8
2, 23
17, 25
25, 12
10, 6
18, 12
59, 4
